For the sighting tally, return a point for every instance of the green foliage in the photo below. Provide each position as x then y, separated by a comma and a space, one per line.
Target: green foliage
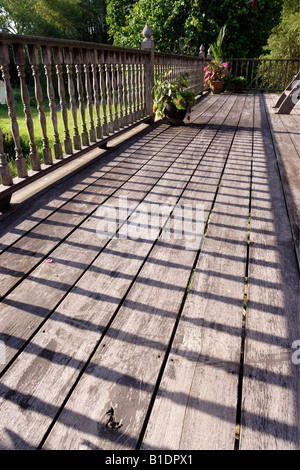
168, 90
284, 41
215, 71
235, 83
71, 19
9, 150
181, 26
216, 47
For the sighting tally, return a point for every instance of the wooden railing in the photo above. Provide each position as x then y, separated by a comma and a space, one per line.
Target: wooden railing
98, 90
181, 64
264, 74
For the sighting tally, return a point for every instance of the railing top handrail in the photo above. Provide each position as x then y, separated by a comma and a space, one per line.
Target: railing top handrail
48, 41
45, 41
170, 55
257, 58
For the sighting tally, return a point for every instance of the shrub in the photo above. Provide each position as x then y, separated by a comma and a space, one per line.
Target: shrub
9, 147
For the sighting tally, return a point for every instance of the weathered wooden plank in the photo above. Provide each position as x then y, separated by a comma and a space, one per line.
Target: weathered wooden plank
111, 302
270, 396
290, 123
125, 377
116, 269
14, 223
288, 162
207, 108
198, 393
29, 303
23, 255
27, 220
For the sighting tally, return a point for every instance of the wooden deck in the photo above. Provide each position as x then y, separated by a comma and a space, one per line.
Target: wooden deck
146, 343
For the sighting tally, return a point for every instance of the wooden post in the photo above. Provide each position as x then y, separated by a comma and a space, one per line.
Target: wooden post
209, 54
202, 56
20, 160
148, 45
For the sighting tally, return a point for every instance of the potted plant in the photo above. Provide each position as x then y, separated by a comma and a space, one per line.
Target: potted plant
214, 75
239, 83
217, 70
171, 98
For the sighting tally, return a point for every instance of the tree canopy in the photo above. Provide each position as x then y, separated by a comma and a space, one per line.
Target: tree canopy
284, 40
181, 26
69, 19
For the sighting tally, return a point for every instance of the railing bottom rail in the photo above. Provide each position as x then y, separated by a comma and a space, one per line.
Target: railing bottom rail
18, 183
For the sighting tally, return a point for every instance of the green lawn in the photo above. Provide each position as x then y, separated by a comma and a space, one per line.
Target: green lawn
6, 128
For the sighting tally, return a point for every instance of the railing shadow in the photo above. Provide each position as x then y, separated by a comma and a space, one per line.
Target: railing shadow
273, 278
96, 428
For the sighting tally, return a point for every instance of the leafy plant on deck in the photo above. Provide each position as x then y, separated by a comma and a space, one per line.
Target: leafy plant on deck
168, 90
216, 47
215, 71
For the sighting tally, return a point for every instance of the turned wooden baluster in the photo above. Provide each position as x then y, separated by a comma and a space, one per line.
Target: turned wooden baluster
19, 56
58, 61
46, 58
102, 90
5, 172
137, 84
134, 91
107, 56
114, 72
80, 90
88, 89
125, 89
94, 60
33, 55
129, 89
120, 88
68, 59
138, 87
20, 160
142, 81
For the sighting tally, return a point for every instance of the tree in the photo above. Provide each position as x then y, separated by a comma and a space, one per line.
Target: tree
284, 41
181, 26
69, 19
92, 25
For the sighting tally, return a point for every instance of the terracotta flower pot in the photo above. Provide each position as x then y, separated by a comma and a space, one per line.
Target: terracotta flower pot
216, 86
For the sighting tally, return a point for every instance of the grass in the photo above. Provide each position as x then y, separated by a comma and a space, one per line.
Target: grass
6, 128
